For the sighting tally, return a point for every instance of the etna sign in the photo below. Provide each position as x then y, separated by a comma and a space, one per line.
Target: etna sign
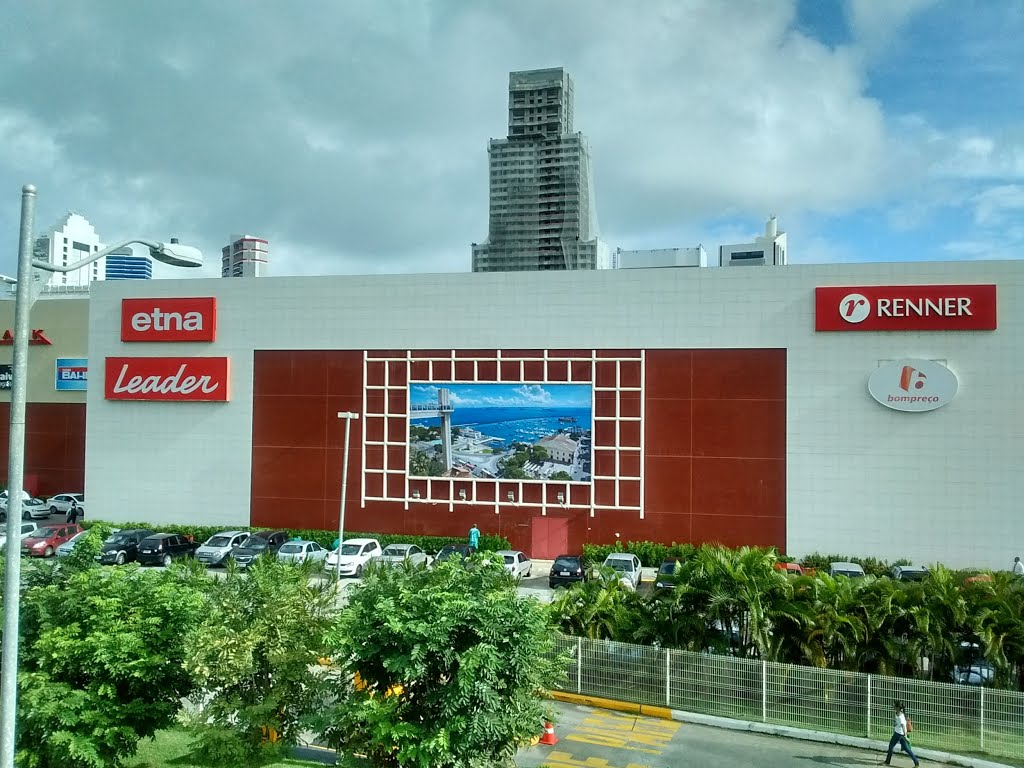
173, 379
905, 308
186, 319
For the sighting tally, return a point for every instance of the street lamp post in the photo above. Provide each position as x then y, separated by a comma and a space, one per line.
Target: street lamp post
349, 417
170, 253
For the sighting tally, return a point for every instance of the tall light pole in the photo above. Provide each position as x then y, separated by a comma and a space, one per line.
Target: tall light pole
170, 253
349, 417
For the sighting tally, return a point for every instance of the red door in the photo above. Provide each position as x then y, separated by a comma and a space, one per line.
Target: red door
549, 537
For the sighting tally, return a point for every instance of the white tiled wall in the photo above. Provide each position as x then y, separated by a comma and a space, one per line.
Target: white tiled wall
944, 485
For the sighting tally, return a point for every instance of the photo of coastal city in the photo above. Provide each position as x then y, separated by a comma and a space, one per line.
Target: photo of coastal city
506, 431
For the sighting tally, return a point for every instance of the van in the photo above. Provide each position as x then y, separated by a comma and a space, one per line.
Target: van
849, 570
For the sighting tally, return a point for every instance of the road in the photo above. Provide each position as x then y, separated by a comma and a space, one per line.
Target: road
594, 738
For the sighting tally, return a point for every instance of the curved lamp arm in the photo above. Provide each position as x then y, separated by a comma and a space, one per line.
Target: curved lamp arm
172, 253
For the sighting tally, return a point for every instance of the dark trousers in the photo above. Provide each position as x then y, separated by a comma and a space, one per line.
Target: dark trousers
899, 738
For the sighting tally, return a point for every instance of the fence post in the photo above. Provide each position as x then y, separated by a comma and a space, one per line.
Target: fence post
869, 706
981, 730
764, 691
579, 665
668, 678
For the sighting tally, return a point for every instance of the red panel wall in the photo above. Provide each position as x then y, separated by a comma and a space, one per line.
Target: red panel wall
54, 447
714, 442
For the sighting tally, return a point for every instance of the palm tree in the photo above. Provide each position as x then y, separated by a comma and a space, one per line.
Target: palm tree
998, 606
834, 630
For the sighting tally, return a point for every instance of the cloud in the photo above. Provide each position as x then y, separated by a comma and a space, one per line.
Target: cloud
534, 394
874, 25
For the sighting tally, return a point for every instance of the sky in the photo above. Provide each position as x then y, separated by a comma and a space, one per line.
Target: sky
352, 135
505, 395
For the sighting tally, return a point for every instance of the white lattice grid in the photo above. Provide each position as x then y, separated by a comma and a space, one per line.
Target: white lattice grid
394, 417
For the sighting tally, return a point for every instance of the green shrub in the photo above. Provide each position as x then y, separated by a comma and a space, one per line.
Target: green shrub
872, 565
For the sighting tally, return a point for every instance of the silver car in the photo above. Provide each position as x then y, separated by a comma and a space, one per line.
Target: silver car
218, 548
65, 549
626, 566
396, 554
300, 552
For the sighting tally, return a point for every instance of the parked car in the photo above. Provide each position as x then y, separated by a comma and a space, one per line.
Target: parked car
910, 572
62, 503
43, 542
31, 509
217, 549
300, 552
396, 554
458, 552
27, 529
627, 566
516, 563
667, 569
354, 554
849, 570
258, 543
66, 548
791, 569
164, 548
122, 546
567, 569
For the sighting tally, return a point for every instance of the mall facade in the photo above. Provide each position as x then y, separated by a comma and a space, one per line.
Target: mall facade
868, 409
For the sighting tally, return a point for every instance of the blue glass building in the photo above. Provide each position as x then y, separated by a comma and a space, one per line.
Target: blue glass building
129, 267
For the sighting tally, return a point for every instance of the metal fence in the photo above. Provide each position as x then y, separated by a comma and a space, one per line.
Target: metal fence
956, 718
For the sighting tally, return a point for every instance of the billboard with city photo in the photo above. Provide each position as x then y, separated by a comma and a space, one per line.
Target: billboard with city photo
501, 431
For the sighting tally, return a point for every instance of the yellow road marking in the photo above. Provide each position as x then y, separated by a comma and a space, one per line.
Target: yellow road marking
566, 760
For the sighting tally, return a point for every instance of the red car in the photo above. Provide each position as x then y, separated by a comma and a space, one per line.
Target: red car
46, 539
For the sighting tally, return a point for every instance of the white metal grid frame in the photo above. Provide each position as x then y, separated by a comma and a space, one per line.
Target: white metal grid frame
616, 379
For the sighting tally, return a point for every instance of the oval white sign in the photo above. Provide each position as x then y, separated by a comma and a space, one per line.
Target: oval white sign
913, 385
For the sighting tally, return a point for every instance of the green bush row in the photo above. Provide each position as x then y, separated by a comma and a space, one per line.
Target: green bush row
324, 538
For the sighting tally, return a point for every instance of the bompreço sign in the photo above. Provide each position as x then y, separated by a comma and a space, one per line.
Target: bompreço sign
905, 308
183, 319
172, 379
71, 374
913, 385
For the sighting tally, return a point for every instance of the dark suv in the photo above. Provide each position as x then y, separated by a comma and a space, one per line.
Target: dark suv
665, 580
259, 543
122, 546
163, 548
459, 552
567, 569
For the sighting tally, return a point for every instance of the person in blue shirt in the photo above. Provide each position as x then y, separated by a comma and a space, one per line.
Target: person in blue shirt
474, 537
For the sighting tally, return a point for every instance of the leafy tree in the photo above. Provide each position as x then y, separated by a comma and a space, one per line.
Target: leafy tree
101, 663
539, 453
561, 475
253, 652
83, 555
448, 664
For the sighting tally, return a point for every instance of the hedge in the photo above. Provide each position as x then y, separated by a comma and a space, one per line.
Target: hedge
323, 538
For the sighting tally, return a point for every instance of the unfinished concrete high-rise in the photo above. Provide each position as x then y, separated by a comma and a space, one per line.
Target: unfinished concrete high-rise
542, 213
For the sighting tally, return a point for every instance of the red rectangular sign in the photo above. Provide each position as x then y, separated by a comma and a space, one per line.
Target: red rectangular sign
185, 319
905, 308
176, 379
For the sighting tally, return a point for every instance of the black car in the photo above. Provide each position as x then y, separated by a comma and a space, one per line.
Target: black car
163, 548
259, 543
665, 578
567, 569
122, 546
458, 552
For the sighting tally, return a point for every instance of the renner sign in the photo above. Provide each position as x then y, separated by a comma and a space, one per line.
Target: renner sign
913, 385
176, 379
191, 319
905, 308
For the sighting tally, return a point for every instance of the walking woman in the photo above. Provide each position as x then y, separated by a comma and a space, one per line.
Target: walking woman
900, 729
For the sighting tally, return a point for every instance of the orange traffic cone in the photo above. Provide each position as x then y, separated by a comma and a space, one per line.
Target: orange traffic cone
549, 734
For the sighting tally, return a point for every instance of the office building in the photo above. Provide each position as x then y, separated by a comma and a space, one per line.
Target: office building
542, 208
660, 257
769, 249
246, 256
71, 239
126, 265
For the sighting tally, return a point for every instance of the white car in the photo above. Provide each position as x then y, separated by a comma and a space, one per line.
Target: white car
62, 503
26, 530
217, 549
34, 509
396, 554
300, 552
25, 496
627, 566
354, 554
516, 563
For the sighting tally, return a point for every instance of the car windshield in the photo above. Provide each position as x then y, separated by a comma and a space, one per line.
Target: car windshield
218, 541
117, 538
395, 551
351, 549
669, 567
567, 562
509, 559
255, 542
913, 575
620, 564
44, 533
292, 548
447, 552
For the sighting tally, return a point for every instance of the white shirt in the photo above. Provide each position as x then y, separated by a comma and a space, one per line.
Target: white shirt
900, 726
1018, 568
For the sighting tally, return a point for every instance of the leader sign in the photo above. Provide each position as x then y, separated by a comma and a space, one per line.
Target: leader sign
184, 319
175, 379
72, 374
905, 308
